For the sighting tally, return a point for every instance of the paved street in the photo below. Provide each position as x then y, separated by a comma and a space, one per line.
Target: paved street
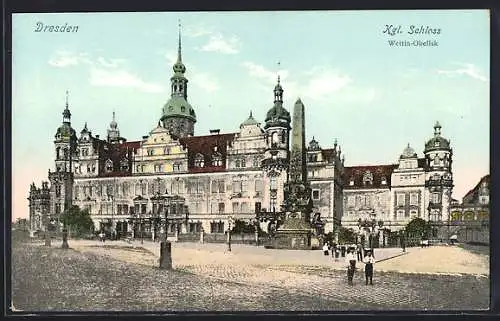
115, 277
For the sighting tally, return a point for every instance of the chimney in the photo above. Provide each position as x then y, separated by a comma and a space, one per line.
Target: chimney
214, 131
96, 136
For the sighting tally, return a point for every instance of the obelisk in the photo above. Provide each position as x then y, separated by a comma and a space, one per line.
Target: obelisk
295, 232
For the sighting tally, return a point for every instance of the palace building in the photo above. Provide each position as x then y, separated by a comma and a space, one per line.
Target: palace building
209, 180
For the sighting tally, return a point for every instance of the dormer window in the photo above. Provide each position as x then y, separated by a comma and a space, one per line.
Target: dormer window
183, 109
109, 165
436, 144
383, 180
199, 160
367, 178
216, 159
351, 181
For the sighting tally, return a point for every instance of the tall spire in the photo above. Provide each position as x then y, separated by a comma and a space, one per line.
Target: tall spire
179, 67
278, 91
179, 49
66, 112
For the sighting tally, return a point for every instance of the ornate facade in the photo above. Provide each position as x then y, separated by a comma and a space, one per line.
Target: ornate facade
389, 196
238, 174
218, 176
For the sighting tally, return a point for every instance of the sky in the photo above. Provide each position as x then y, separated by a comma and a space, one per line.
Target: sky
373, 97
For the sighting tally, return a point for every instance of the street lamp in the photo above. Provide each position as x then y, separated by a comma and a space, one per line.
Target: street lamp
229, 233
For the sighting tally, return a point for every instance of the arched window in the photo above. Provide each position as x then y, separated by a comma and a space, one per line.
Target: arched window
216, 159
243, 163
275, 138
238, 164
199, 160
58, 152
436, 160
109, 165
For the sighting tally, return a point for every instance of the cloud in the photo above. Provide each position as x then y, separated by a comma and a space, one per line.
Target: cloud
217, 43
259, 71
110, 63
171, 57
205, 81
64, 58
467, 69
121, 78
323, 83
197, 30
317, 84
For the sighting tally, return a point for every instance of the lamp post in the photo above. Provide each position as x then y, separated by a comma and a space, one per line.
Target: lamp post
229, 233
256, 227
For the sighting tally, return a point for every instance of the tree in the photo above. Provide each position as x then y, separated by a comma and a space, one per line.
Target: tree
77, 220
418, 228
241, 226
346, 236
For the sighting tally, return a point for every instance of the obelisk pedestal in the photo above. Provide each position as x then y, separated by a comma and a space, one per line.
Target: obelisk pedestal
295, 232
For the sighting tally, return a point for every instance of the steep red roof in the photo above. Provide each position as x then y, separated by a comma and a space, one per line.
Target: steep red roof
356, 173
473, 195
120, 154
205, 145
133, 145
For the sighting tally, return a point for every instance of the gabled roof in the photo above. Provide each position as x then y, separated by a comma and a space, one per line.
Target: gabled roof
356, 173
472, 195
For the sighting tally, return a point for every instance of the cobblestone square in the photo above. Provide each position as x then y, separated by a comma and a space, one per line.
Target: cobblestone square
118, 276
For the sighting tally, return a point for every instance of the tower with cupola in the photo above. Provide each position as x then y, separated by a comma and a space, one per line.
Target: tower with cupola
277, 155
178, 116
439, 178
61, 180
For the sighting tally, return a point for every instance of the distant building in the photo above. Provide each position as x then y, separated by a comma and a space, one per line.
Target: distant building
470, 220
387, 197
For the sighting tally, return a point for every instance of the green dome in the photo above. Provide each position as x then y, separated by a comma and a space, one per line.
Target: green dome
65, 131
250, 121
436, 143
178, 107
278, 115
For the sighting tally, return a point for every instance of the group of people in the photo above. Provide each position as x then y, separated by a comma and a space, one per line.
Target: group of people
362, 255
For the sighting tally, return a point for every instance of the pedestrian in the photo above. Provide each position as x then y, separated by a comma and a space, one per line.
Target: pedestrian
351, 266
360, 252
333, 249
369, 261
325, 249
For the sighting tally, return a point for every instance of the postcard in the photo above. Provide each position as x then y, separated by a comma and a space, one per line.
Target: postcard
250, 161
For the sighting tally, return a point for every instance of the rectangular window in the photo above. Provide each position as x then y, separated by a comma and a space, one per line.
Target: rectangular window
259, 186
258, 207
221, 208
222, 188
435, 198
244, 207
236, 186
143, 208
401, 213
315, 194
244, 185
413, 199
400, 199
351, 201
235, 207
